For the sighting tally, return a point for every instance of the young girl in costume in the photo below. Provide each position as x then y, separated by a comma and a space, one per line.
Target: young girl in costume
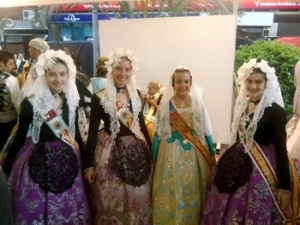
183, 153
254, 181
118, 162
43, 163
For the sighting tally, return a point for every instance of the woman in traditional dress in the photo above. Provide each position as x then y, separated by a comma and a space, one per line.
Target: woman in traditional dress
151, 103
183, 151
118, 162
43, 163
251, 183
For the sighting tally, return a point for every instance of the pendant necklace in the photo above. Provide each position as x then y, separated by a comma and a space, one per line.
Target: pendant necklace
252, 103
181, 101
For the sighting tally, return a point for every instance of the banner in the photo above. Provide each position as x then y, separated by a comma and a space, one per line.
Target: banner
139, 5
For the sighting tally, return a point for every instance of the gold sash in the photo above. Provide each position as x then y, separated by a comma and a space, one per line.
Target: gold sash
290, 216
187, 134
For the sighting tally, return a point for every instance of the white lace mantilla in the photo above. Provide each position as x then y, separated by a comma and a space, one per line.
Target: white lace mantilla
108, 102
272, 94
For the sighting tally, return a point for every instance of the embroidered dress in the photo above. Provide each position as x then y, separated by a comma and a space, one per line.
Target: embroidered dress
45, 179
122, 168
238, 193
179, 183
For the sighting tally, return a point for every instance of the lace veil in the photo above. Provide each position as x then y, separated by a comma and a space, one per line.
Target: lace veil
108, 101
200, 116
43, 99
271, 94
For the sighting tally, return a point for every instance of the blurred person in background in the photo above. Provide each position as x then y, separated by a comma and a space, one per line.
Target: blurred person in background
9, 93
99, 80
151, 101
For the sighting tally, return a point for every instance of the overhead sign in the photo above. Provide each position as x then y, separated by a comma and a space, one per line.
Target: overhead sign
15, 3
269, 4
136, 4
256, 19
78, 17
114, 6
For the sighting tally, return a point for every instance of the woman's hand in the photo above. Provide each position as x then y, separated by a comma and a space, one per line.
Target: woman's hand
89, 175
284, 198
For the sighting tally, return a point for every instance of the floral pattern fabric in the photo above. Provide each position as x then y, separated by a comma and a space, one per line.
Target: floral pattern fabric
32, 205
251, 204
179, 183
115, 201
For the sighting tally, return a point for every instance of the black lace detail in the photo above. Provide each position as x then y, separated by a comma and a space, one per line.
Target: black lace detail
53, 165
233, 169
131, 163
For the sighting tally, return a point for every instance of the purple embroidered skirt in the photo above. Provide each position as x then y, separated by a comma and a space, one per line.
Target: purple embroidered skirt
250, 203
32, 203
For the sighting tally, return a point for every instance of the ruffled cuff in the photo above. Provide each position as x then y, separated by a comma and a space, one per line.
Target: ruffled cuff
154, 147
210, 145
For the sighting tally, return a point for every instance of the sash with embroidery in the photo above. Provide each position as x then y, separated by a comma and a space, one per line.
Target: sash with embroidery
124, 114
291, 216
58, 126
187, 134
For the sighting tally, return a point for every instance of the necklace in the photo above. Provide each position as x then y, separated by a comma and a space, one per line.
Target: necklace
120, 90
181, 101
252, 103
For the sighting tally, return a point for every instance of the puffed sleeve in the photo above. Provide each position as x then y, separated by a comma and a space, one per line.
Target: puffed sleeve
144, 129
25, 119
279, 121
154, 148
143, 125
96, 112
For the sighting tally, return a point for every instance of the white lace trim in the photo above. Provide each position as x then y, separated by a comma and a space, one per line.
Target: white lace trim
200, 116
108, 102
43, 100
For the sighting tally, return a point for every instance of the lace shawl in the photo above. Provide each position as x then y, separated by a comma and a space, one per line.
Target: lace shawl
108, 102
43, 100
271, 94
200, 116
